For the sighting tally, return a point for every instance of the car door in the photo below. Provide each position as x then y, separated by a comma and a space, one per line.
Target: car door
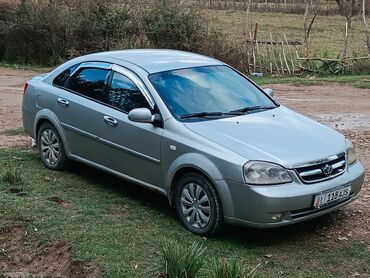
79, 105
134, 147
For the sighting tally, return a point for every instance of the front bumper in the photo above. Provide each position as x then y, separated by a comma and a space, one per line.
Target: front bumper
279, 205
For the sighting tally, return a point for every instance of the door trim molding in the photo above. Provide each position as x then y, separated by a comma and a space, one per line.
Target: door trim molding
110, 143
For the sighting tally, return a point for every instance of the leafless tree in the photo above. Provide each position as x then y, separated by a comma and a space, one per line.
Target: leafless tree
308, 20
248, 4
366, 26
347, 8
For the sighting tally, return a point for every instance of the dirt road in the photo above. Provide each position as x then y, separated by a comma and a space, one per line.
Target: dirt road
11, 91
342, 107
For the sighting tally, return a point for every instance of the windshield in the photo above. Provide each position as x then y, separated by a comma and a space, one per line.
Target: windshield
208, 90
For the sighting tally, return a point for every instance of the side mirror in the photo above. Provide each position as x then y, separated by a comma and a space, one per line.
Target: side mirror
143, 115
269, 91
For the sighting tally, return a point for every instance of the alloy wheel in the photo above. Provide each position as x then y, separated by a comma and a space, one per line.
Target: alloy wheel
195, 205
50, 149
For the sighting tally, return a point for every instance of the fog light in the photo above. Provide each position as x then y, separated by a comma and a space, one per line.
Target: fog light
276, 217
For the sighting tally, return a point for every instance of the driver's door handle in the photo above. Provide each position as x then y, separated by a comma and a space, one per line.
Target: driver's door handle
110, 121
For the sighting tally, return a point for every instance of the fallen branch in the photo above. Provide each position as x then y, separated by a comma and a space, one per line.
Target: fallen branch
334, 60
275, 42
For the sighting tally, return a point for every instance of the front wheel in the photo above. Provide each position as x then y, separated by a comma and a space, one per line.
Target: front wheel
198, 205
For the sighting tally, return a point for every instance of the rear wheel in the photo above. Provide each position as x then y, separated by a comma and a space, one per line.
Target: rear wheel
51, 147
198, 205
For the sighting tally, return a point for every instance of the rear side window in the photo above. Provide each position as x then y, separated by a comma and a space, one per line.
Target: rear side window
62, 77
125, 95
89, 82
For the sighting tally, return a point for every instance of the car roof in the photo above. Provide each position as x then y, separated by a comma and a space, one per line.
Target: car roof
158, 60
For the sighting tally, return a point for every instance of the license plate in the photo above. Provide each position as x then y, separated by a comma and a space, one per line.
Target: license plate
329, 197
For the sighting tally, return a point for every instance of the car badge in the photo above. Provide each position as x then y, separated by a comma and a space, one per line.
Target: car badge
327, 169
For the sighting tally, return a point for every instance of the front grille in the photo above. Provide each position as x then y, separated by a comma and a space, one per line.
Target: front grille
323, 169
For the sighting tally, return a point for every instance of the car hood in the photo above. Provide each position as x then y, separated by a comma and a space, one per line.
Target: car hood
279, 135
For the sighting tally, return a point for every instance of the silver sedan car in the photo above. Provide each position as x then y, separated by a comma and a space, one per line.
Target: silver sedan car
220, 148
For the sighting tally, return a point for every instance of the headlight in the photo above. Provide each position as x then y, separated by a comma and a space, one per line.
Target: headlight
351, 154
259, 172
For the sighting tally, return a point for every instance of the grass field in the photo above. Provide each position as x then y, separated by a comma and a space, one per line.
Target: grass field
13, 132
32, 67
357, 81
326, 35
118, 226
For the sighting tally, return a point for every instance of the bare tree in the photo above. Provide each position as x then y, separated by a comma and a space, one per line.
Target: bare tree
311, 8
248, 4
347, 8
247, 8
366, 26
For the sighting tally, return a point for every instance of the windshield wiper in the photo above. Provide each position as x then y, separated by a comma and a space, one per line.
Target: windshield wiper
252, 108
233, 112
201, 115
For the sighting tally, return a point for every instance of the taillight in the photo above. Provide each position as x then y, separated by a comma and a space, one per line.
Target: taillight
25, 87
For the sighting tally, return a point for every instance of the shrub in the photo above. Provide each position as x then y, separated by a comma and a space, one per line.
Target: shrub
11, 175
6, 10
168, 26
47, 32
186, 28
181, 261
226, 269
234, 53
35, 33
100, 26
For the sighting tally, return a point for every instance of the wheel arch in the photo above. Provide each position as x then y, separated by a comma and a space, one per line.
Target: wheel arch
180, 173
47, 116
197, 163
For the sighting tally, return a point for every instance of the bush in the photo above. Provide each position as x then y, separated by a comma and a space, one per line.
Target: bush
180, 261
100, 26
226, 269
167, 26
11, 175
35, 33
6, 10
47, 32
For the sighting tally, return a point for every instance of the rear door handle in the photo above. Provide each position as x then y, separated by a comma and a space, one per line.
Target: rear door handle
62, 102
110, 121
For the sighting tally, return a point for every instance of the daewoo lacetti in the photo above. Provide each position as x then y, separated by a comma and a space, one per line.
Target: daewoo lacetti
194, 129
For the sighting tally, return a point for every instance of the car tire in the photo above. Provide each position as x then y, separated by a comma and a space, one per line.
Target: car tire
51, 147
198, 205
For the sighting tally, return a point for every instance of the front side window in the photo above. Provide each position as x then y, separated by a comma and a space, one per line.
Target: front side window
209, 89
125, 95
89, 82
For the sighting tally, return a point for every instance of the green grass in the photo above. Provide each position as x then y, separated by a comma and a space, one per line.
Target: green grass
32, 67
326, 39
13, 132
11, 175
357, 81
95, 226
228, 269
181, 261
